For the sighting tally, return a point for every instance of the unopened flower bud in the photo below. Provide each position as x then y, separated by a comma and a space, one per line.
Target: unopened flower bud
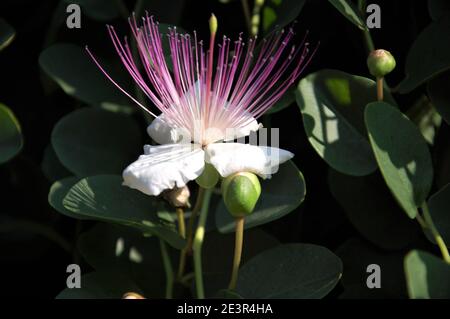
240, 193
178, 197
380, 63
213, 24
209, 177
132, 295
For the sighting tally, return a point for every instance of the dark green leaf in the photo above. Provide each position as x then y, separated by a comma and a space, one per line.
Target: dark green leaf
278, 14
438, 8
402, 155
101, 10
350, 11
373, 211
427, 119
11, 140
427, 276
286, 100
104, 198
296, 271
280, 195
255, 242
75, 72
439, 94
126, 251
357, 255
52, 167
92, 141
439, 206
428, 56
332, 105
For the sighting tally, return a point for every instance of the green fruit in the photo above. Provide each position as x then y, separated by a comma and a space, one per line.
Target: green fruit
240, 193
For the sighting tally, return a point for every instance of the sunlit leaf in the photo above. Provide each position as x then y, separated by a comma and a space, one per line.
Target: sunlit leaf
332, 105
402, 155
104, 198
427, 276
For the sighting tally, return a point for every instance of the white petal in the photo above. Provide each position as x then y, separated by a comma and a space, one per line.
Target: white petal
162, 132
164, 167
230, 158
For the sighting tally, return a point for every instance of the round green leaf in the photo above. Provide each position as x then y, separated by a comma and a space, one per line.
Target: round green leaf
11, 140
373, 211
92, 141
101, 10
427, 276
280, 195
439, 94
7, 34
291, 271
428, 56
52, 167
332, 105
439, 206
350, 11
71, 67
100, 285
104, 198
402, 155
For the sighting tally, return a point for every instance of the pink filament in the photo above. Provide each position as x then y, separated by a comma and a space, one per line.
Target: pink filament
240, 87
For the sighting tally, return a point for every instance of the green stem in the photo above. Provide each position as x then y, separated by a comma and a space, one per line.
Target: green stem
246, 10
198, 243
181, 224
167, 268
366, 33
380, 89
437, 236
190, 233
239, 239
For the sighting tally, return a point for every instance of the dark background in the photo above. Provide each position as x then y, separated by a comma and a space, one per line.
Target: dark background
31, 265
